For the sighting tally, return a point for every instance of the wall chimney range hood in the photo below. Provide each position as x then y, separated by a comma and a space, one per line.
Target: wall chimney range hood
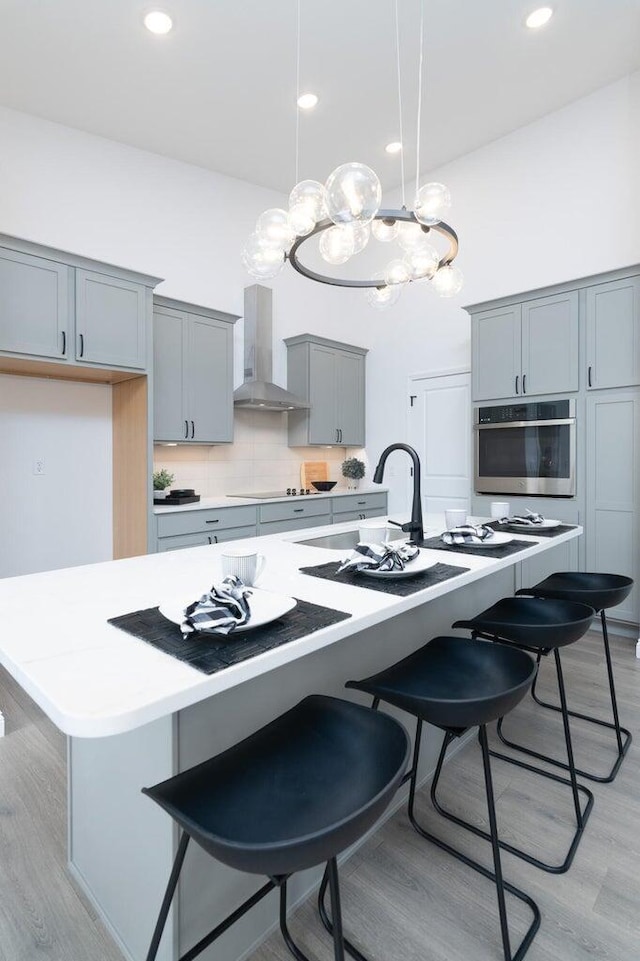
258, 391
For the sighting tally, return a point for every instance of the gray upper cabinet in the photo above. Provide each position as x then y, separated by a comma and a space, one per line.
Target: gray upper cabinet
331, 376
495, 345
613, 334
110, 321
192, 373
36, 301
529, 348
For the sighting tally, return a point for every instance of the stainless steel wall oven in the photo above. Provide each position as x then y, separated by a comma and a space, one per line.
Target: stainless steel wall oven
526, 449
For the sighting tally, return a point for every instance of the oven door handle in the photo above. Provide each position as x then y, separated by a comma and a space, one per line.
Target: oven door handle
527, 423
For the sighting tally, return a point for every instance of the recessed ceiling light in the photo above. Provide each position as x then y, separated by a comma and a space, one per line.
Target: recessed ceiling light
539, 17
158, 22
394, 147
307, 101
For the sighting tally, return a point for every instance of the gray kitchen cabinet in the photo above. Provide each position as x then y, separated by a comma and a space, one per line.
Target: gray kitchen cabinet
195, 528
526, 349
357, 515
613, 334
612, 525
193, 373
355, 503
181, 541
36, 305
110, 321
294, 524
331, 376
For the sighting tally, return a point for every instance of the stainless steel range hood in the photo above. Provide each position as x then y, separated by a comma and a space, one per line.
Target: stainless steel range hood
258, 391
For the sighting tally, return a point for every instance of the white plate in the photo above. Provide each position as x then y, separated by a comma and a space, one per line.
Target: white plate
546, 525
497, 540
265, 607
416, 566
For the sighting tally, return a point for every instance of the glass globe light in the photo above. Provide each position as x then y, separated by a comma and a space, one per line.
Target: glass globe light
422, 262
301, 219
382, 297
448, 281
274, 226
361, 234
312, 195
410, 235
432, 202
354, 193
262, 260
385, 230
396, 272
336, 245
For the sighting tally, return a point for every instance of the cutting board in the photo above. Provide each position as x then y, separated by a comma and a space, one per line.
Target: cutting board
313, 470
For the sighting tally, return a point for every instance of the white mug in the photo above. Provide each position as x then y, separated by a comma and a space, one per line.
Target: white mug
374, 532
247, 565
454, 518
499, 509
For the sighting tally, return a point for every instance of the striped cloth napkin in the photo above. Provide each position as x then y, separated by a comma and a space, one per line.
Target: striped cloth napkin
528, 519
379, 557
467, 534
224, 608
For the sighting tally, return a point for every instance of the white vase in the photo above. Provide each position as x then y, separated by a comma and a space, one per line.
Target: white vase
352, 484
160, 495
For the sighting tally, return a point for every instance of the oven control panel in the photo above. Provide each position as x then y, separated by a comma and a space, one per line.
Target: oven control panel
514, 413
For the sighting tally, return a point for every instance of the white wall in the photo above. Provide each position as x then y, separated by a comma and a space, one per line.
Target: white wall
63, 517
553, 201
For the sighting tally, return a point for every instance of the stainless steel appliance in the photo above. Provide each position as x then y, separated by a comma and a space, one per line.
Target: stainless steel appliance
526, 449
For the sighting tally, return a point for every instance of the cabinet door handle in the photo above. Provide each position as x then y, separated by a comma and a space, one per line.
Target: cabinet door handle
524, 383
64, 342
193, 430
186, 430
298, 510
209, 539
517, 383
589, 376
215, 521
337, 435
341, 435
82, 345
362, 503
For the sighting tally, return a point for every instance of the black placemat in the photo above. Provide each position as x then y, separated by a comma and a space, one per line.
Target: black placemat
500, 550
402, 587
533, 531
209, 653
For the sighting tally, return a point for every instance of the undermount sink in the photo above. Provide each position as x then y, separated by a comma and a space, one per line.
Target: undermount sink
346, 540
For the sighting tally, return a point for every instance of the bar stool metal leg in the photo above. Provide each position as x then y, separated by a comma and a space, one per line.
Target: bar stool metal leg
623, 736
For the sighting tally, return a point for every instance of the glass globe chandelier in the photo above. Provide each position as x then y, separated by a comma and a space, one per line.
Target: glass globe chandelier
346, 212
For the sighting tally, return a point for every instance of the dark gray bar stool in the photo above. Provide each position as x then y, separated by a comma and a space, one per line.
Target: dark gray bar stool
599, 591
539, 626
456, 683
289, 797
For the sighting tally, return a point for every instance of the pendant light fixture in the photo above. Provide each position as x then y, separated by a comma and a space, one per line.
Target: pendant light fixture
346, 212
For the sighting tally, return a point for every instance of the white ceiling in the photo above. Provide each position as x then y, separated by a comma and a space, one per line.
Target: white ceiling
219, 90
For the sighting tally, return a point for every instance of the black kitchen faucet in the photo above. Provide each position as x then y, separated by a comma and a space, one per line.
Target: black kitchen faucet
414, 527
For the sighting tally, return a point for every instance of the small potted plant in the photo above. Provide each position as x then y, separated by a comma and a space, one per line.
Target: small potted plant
162, 480
353, 470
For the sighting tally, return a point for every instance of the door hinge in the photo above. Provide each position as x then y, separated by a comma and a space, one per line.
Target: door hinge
412, 397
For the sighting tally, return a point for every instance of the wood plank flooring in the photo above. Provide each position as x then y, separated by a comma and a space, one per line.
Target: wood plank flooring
403, 899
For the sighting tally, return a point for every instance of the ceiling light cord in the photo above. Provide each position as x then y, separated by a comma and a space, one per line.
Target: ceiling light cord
297, 177
419, 118
400, 103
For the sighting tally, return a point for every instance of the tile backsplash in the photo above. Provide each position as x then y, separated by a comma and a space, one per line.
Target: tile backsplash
258, 460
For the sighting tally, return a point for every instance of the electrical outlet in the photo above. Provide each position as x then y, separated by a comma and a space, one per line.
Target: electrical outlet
38, 466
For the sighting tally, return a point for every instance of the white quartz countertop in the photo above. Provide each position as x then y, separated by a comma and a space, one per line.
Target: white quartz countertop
94, 680
207, 503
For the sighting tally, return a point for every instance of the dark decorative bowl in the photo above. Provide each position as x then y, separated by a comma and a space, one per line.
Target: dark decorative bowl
323, 485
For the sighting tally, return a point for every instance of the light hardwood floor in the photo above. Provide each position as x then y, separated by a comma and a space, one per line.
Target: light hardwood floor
403, 899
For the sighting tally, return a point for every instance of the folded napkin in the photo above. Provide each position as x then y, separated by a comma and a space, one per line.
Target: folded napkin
467, 534
528, 519
222, 609
379, 557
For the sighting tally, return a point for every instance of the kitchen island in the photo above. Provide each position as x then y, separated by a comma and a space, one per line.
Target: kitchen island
135, 716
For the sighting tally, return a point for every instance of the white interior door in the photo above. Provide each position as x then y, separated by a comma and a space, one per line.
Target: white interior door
440, 431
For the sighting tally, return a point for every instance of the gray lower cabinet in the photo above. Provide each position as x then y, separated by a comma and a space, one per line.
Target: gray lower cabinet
110, 321
331, 377
203, 540
357, 515
193, 373
612, 526
526, 349
295, 515
613, 334
36, 315
206, 526
357, 504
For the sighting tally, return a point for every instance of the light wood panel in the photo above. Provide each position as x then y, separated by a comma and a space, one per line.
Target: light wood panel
60, 371
130, 467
